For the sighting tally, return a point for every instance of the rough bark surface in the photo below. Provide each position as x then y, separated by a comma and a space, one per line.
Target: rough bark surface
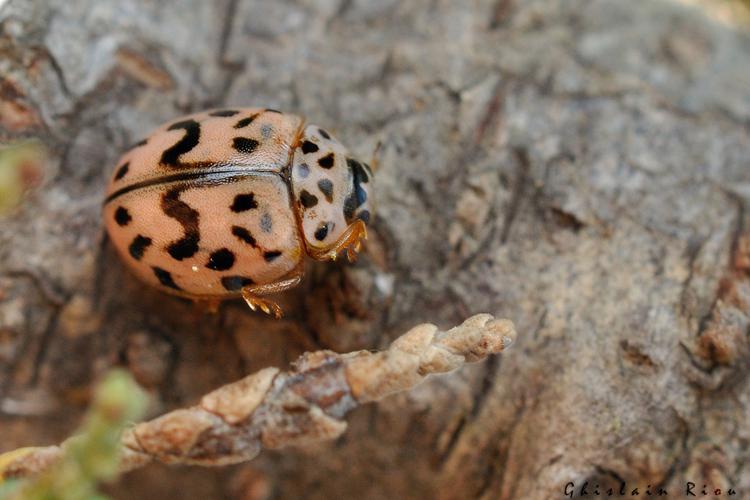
581, 167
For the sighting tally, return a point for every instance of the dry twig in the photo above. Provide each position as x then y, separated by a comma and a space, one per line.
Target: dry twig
274, 409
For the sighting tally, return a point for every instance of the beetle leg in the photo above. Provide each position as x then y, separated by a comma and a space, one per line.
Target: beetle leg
253, 295
208, 306
351, 241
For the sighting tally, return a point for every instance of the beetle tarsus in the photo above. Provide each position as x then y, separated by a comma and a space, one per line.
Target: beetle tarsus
267, 306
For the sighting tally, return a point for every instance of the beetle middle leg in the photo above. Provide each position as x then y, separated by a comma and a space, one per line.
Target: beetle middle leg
254, 294
207, 305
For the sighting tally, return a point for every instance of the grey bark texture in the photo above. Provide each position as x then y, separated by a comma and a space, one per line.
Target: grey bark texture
580, 167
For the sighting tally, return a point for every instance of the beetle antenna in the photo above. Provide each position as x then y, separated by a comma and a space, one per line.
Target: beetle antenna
375, 161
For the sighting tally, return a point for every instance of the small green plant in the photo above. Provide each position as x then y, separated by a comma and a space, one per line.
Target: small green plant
90, 457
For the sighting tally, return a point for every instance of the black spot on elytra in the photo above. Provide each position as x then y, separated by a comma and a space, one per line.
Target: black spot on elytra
266, 223
221, 260
364, 216
122, 216
271, 255
235, 283
245, 121
326, 187
188, 217
322, 231
171, 155
122, 171
224, 112
326, 161
244, 144
243, 202
165, 278
271, 110
358, 196
138, 246
324, 133
309, 147
308, 200
184, 248
244, 235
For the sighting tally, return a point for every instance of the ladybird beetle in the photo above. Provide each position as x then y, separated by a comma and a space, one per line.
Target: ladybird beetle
226, 203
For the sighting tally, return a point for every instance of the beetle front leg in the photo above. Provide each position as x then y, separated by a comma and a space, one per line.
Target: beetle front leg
351, 241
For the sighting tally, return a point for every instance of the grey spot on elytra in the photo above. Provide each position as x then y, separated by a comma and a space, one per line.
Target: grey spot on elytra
266, 224
266, 130
235, 283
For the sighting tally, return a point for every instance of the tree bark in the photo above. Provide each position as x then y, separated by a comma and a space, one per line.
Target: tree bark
580, 167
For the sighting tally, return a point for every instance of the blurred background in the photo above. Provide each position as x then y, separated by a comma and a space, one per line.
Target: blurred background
581, 167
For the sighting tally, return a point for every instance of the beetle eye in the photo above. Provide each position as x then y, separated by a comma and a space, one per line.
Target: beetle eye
357, 204
364, 216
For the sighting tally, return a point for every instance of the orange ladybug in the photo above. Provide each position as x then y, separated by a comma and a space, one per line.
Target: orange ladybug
226, 203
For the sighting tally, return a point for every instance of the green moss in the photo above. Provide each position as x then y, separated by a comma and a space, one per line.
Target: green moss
94, 454
21, 167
